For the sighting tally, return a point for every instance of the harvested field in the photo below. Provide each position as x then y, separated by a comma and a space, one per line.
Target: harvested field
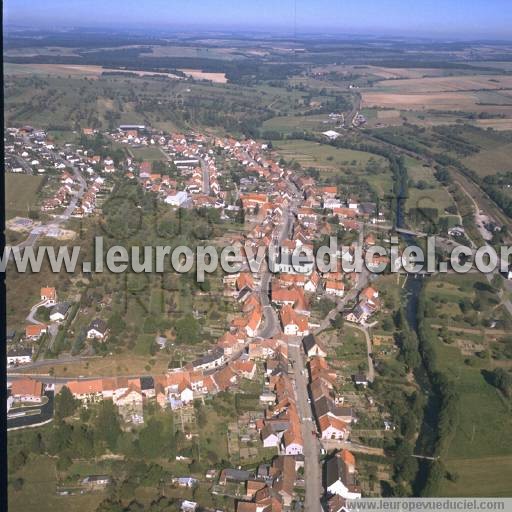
457, 101
495, 124
219, 78
72, 69
447, 84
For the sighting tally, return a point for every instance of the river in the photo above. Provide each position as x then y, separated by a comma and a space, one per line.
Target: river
428, 430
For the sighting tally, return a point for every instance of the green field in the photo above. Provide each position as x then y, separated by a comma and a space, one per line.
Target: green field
38, 493
21, 194
150, 153
289, 124
332, 161
484, 428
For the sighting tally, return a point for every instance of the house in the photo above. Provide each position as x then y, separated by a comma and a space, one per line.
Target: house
360, 379
270, 437
34, 331
254, 321
130, 404
186, 481
211, 360
336, 288
340, 476
233, 475
312, 347
49, 294
27, 390
293, 323
147, 386
331, 134
178, 199
59, 311
87, 391
96, 481
97, 329
285, 474
188, 506
359, 314
332, 428
312, 283
19, 355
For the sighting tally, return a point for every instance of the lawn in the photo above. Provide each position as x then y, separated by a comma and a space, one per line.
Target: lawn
21, 194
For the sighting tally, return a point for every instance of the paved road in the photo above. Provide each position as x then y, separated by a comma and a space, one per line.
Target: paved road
312, 468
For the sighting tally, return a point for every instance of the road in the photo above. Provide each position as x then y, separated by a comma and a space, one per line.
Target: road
206, 177
42, 229
312, 468
270, 324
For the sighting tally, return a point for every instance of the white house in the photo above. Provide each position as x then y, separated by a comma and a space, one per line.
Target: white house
178, 199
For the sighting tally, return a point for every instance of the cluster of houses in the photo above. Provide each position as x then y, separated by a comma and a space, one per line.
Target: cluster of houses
334, 419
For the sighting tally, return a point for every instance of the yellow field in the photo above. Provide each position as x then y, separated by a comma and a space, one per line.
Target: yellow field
219, 78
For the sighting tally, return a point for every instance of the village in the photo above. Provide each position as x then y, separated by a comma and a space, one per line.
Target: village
275, 337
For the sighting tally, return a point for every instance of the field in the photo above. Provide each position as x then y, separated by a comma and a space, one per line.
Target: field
432, 196
485, 476
21, 194
289, 124
491, 160
334, 162
39, 491
446, 84
484, 428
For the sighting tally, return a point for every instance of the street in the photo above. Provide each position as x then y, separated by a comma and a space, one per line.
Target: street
312, 468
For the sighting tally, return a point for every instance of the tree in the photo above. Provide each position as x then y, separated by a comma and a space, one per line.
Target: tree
107, 424
187, 330
65, 403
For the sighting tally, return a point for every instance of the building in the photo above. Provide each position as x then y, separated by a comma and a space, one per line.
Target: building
312, 347
332, 428
293, 323
331, 134
27, 390
49, 294
211, 360
19, 355
59, 311
340, 476
97, 329
178, 199
34, 331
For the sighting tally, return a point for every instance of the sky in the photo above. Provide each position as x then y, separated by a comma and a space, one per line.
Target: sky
468, 19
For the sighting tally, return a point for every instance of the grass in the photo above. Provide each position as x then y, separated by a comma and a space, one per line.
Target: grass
21, 194
331, 161
38, 492
481, 449
148, 153
477, 477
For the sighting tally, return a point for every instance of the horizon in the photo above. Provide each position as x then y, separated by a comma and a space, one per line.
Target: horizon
455, 20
